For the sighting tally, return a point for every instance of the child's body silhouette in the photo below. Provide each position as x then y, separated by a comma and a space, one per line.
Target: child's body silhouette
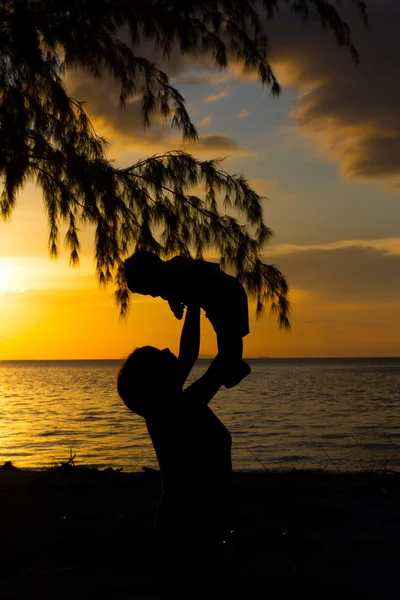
185, 281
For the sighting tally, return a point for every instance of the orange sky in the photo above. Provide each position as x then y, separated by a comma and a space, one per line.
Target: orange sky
326, 153
49, 310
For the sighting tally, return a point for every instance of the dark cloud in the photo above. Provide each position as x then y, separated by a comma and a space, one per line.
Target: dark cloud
354, 109
345, 274
219, 142
102, 102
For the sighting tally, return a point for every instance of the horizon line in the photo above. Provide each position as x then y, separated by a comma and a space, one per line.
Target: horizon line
205, 357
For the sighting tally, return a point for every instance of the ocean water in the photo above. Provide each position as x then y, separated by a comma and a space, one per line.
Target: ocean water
333, 414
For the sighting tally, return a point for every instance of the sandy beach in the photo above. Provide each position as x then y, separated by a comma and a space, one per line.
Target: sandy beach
72, 532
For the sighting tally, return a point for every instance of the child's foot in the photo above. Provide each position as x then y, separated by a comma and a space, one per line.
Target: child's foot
238, 372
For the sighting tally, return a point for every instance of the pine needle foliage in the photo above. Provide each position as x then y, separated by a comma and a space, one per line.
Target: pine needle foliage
46, 135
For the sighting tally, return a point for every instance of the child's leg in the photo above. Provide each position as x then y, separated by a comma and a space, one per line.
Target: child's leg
230, 350
230, 347
230, 319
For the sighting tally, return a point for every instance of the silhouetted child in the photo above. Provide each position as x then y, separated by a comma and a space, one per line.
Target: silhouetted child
183, 281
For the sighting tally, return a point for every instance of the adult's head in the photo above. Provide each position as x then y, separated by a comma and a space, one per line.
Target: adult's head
147, 380
143, 273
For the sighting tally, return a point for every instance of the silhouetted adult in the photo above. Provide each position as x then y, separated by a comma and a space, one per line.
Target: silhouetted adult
193, 449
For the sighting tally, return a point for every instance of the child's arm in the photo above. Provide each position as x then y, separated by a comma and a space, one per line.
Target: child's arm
189, 343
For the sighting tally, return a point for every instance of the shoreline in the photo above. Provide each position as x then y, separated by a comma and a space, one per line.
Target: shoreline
236, 472
83, 532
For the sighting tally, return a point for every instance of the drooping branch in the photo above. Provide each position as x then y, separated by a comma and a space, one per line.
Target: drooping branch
46, 136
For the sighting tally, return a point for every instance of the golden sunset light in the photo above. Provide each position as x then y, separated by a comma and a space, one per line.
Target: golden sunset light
4, 278
333, 210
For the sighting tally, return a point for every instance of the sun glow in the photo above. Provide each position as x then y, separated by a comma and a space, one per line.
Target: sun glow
4, 277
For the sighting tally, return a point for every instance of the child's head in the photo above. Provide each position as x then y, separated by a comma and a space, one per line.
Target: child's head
147, 379
143, 273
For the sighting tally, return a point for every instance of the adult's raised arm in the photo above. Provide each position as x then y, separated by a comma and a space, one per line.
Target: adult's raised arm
189, 343
203, 390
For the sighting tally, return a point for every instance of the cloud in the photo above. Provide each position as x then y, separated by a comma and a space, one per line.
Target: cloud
243, 113
219, 142
203, 78
206, 122
216, 97
263, 186
390, 246
344, 274
102, 103
204, 147
353, 111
